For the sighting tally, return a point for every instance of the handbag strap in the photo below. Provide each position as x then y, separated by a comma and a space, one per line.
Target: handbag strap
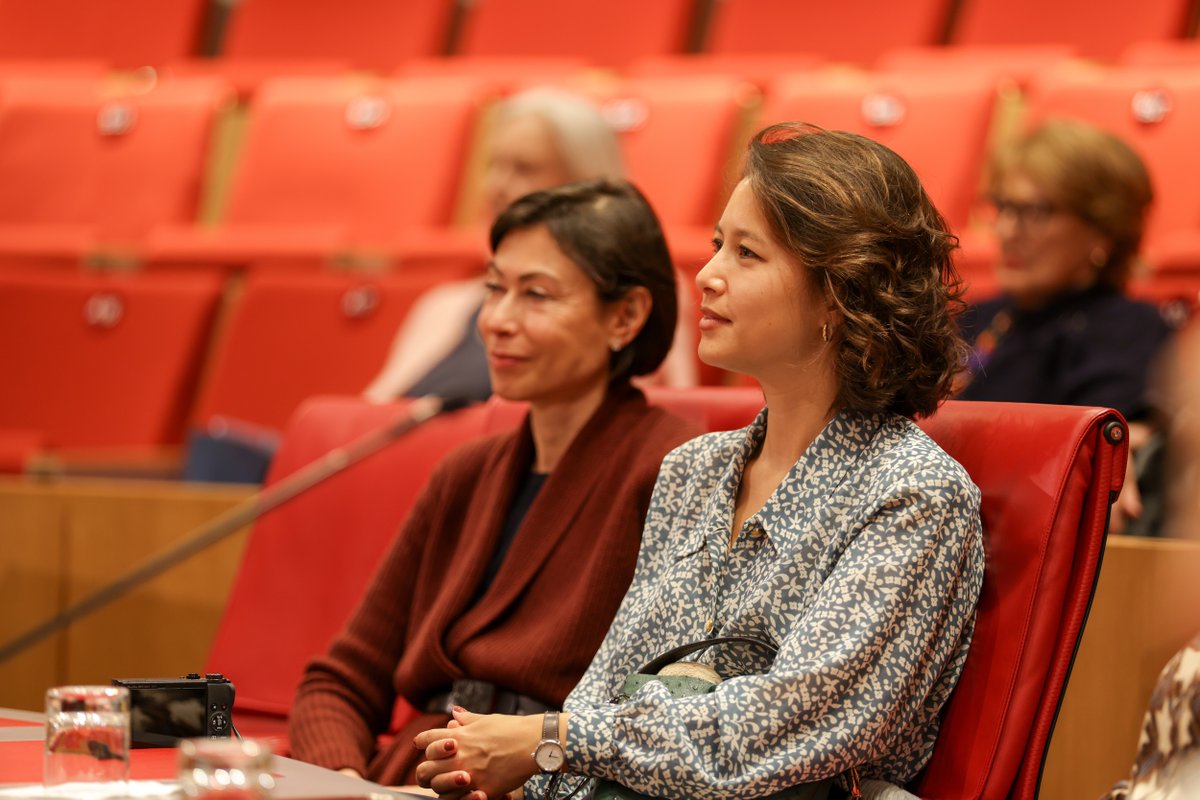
671, 656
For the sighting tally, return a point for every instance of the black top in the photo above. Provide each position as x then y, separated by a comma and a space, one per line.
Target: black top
1090, 348
527, 492
462, 373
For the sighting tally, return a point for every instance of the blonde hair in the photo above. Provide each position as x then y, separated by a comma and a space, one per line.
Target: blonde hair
1091, 173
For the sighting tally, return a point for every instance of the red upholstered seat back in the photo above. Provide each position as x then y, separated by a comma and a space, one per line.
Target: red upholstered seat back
74, 153
853, 31
126, 33
292, 336
100, 360
327, 151
1048, 475
1099, 29
609, 33
307, 563
369, 33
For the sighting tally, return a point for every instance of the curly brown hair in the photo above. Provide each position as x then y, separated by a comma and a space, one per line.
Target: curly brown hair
855, 214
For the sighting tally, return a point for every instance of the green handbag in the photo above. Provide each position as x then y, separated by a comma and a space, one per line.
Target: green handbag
687, 686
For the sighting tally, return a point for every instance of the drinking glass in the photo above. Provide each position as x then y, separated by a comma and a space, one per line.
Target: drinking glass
87, 735
225, 769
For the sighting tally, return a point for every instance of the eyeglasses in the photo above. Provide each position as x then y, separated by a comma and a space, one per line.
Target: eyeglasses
1037, 212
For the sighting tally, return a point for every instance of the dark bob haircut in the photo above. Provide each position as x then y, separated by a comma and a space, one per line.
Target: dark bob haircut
609, 231
856, 216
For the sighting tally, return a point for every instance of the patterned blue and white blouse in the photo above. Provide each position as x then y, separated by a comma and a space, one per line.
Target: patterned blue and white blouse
863, 567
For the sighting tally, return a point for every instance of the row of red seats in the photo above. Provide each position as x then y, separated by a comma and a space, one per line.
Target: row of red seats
131, 360
328, 164
379, 33
126, 361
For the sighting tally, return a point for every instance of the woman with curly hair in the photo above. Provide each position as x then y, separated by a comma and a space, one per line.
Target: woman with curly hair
831, 527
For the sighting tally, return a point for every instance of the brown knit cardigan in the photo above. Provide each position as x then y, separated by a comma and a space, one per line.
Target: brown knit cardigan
533, 631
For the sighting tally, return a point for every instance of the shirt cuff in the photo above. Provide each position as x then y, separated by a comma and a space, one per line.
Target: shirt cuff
590, 744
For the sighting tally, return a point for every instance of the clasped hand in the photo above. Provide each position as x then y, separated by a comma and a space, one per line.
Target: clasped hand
478, 756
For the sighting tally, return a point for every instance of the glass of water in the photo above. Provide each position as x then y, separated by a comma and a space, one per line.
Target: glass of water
87, 735
225, 769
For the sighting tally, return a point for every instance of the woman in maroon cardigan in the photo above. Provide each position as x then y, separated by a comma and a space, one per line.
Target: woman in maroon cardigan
504, 578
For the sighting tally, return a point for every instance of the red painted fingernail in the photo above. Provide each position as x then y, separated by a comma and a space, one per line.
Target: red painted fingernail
451, 746
460, 709
461, 779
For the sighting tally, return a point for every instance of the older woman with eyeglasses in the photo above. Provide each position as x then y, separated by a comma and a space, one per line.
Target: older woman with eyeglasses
1070, 202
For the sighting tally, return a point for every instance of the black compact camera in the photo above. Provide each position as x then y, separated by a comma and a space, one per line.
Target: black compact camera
164, 710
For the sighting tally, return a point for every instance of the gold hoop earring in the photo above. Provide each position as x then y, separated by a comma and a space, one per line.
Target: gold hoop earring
826, 335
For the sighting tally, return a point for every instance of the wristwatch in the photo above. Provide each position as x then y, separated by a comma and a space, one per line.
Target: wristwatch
549, 755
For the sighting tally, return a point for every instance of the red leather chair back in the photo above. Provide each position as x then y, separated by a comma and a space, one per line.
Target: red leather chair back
306, 564
1048, 475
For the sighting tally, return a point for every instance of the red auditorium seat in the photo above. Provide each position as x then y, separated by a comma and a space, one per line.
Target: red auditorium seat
609, 33
376, 158
329, 162
1172, 280
856, 31
757, 68
122, 33
678, 137
289, 552
1157, 111
94, 361
369, 34
290, 336
268, 39
938, 123
1162, 53
500, 74
1020, 63
74, 155
1098, 29
1048, 475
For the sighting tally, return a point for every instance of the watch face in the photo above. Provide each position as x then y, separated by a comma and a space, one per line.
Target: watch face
549, 756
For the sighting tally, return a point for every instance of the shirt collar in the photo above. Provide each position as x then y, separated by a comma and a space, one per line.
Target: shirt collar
820, 470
